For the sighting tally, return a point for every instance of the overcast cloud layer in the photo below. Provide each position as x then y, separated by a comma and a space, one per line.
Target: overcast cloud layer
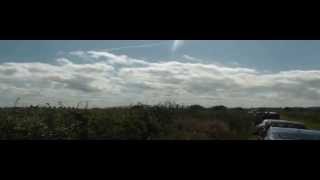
107, 79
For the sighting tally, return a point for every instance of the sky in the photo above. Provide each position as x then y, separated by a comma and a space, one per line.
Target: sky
119, 72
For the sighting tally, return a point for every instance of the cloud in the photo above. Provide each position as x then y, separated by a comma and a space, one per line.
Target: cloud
176, 45
109, 58
107, 79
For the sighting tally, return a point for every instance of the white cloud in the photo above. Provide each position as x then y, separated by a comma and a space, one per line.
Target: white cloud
107, 57
107, 79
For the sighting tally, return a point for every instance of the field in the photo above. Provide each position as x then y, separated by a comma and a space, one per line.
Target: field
139, 122
309, 116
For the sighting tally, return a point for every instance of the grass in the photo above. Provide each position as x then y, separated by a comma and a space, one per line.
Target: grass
309, 116
141, 122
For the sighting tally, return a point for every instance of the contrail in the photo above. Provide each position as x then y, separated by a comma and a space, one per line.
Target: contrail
176, 45
136, 46
147, 45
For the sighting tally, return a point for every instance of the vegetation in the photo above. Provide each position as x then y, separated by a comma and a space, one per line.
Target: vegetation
309, 116
139, 122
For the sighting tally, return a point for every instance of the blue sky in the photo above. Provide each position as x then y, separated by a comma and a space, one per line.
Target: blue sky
269, 55
234, 73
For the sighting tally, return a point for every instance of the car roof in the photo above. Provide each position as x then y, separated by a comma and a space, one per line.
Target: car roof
282, 121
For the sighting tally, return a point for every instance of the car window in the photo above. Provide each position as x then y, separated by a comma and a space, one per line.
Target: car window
298, 126
279, 125
297, 136
288, 136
